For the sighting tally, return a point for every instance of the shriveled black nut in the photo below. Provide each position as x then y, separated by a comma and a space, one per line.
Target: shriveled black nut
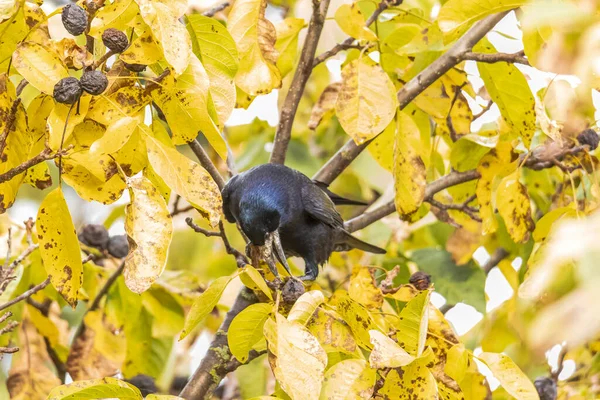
75, 19
115, 40
94, 236
118, 246
145, 383
93, 82
420, 280
67, 90
135, 67
589, 137
546, 388
292, 290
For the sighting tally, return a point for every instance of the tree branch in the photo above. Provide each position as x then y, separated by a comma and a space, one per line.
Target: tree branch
10, 121
499, 255
216, 9
292, 99
515, 58
45, 155
340, 160
239, 257
26, 294
218, 361
349, 42
369, 217
207, 163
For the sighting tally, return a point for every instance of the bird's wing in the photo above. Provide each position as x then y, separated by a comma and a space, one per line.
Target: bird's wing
336, 198
319, 206
226, 195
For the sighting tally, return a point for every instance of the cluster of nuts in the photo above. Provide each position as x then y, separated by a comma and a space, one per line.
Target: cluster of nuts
97, 236
69, 90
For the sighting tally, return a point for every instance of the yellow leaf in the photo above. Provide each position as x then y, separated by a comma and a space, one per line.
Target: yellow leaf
489, 167
516, 102
352, 21
348, 380
80, 172
163, 397
113, 15
255, 38
513, 205
96, 388
412, 328
367, 101
413, 379
127, 101
59, 246
462, 243
410, 175
143, 50
363, 290
382, 147
217, 51
332, 332
256, 280
42, 68
356, 316
7, 9
304, 308
18, 143
456, 16
204, 304
58, 119
325, 106
115, 136
185, 103
297, 359
387, 353
287, 43
12, 34
169, 33
186, 178
247, 329
149, 226
512, 379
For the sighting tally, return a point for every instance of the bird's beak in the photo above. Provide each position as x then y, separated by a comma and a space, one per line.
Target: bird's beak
279, 251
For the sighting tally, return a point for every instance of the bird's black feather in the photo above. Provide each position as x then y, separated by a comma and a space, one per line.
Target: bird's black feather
274, 197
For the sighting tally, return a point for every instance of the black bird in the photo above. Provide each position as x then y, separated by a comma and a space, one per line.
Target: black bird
277, 205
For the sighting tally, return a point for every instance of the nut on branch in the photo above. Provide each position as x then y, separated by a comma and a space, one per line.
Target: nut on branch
115, 40
94, 82
74, 19
67, 90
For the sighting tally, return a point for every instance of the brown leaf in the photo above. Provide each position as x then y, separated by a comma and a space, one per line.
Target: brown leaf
325, 105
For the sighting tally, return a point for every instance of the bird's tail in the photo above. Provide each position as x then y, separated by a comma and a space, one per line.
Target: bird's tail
354, 243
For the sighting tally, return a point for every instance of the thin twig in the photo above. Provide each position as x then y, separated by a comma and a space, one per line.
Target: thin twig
62, 142
216, 9
464, 207
199, 229
453, 135
485, 109
103, 59
43, 156
22, 256
342, 159
8, 350
515, 58
206, 162
8, 250
294, 94
26, 294
369, 217
348, 43
239, 257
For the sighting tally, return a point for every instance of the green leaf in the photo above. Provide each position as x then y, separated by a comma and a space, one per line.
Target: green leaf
348, 379
512, 379
204, 304
217, 51
59, 246
457, 284
96, 388
186, 177
367, 101
412, 328
456, 16
287, 43
247, 329
304, 308
544, 224
508, 88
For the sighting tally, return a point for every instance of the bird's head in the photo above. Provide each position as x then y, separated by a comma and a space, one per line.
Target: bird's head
258, 222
